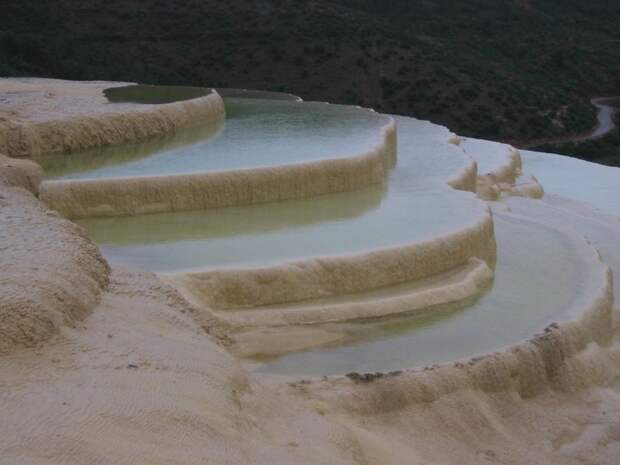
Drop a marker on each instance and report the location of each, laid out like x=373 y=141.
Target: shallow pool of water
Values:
x=415 y=205
x=538 y=276
x=273 y=233
x=539 y=273
x=255 y=133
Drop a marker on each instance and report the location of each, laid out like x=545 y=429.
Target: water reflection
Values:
x=247 y=220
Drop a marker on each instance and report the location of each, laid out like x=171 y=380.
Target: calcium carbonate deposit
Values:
x=190 y=279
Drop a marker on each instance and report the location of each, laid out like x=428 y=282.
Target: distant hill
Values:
x=502 y=69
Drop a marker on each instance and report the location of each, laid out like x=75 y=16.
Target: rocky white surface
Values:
x=108 y=367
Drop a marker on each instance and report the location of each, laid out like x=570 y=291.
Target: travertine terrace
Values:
x=459 y=296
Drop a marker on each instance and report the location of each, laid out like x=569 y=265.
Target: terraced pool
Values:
x=256 y=133
x=543 y=274
x=540 y=276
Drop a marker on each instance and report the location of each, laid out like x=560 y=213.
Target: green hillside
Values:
x=510 y=70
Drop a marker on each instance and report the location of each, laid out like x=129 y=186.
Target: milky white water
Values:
x=539 y=278
x=536 y=280
x=541 y=274
x=255 y=133
x=416 y=205
x=570 y=181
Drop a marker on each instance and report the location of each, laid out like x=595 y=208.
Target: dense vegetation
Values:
x=503 y=69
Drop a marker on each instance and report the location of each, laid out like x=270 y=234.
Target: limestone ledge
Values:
x=337 y=275
x=51 y=274
x=199 y=191
x=566 y=356
x=79 y=132
x=447 y=289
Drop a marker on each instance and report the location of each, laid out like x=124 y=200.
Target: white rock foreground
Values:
x=114 y=366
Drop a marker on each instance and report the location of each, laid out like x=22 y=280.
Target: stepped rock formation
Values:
x=43 y=116
x=52 y=274
x=109 y=197
x=114 y=365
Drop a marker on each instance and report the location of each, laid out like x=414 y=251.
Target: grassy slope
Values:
x=503 y=69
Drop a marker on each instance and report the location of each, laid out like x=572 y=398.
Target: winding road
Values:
x=604 y=117
x=605 y=124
